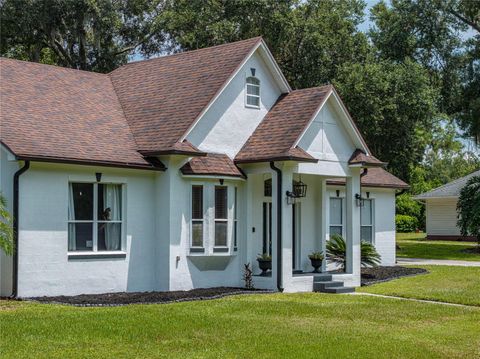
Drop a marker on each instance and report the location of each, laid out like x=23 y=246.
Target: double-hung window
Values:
x=253 y=92
x=366 y=220
x=336 y=216
x=235 y=220
x=95 y=217
x=221 y=216
x=197 y=216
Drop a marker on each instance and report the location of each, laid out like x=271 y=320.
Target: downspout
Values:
x=279 y=226
x=16 y=179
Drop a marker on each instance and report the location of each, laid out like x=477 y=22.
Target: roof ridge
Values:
x=54 y=66
x=258 y=38
x=448 y=184
x=321 y=87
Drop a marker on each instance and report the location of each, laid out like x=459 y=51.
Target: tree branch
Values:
x=469 y=22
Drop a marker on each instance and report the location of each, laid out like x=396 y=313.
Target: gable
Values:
x=326 y=137
x=228 y=122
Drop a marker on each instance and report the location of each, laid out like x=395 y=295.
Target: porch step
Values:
x=338 y=290
x=318 y=286
x=322 y=278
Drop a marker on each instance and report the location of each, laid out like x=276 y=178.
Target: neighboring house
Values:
x=441 y=209
x=171 y=173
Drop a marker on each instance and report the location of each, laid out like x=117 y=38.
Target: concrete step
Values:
x=337 y=290
x=327 y=284
x=322 y=278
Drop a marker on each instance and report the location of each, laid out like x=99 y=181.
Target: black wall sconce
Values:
x=252 y=70
x=221 y=181
x=299 y=190
x=359 y=200
x=98 y=175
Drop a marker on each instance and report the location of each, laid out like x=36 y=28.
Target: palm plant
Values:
x=337 y=249
x=6 y=229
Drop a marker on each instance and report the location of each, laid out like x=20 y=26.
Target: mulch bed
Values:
x=124 y=298
x=384 y=274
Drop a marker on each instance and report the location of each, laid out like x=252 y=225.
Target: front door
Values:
x=296 y=256
x=267 y=228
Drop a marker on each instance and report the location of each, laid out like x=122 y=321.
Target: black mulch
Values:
x=384 y=274
x=123 y=298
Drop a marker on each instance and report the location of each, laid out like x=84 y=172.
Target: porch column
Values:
x=353 y=225
x=324 y=202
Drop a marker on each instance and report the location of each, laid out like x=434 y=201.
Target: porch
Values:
x=303 y=224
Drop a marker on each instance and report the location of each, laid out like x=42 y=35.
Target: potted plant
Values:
x=316 y=258
x=264 y=262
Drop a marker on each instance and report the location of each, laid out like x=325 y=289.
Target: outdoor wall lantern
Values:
x=359 y=200
x=299 y=190
x=98 y=176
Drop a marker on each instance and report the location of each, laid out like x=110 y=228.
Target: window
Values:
x=95 y=217
x=336 y=216
x=366 y=220
x=253 y=92
x=235 y=221
x=221 y=216
x=197 y=216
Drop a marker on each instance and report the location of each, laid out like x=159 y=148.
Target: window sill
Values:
x=220 y=249
x=252 y=106
x=96 y=255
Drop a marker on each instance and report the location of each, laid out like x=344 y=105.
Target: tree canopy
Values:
x=409 y=81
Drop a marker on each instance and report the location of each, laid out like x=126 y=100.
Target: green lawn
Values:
x=452 y=284
x=413 y=245
x=254 y=326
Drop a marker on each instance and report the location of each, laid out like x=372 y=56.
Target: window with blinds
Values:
x=221 y=216
x=197 y=216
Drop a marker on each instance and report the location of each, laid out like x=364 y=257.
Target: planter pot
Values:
x=316 y=264
x=264 y=265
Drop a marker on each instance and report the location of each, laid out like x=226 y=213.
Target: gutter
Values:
x=16 y=179
x=279 y=226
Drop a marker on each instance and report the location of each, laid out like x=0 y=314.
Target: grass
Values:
x=413 y=245
x=251 y=326
x=453 y=284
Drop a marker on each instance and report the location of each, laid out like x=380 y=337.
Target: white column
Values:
x=353 y=226
x=323 y=231
x=287 y=225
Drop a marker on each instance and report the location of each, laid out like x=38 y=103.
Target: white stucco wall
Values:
x=44 y=267
x=8 y=167
x=228 y=123
x=441 y=217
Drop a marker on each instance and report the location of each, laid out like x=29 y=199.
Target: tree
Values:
x=468 y=208
x=394 y=107
x=95 y=35
x=6 y=229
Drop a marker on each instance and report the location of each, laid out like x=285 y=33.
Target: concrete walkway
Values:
x=415 y=300
x=442 y=262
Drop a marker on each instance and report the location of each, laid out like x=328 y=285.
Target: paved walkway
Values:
x=415 y=300
x=443 y=262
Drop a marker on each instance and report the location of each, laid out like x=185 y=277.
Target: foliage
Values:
x=316 y=256
x=6 y=228
x=468 y=207
x=406 y=205
x=264 y=257
x=92 y=35
x=248 y=276
x=405 y=223
x=336 y=252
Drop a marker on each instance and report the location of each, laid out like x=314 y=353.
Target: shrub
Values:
x=264 y=257
x=248 y=276
x=406 y=205
x=316 y=256
x=405 y=224
x=337 y=250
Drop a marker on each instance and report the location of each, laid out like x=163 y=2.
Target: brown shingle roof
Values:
x=213 y=165
x=162 y=97
x=360 y=158
x=376 y=177
x=276 y=135
x=58 y=114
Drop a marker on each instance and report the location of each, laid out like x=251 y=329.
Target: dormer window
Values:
x=253 y=92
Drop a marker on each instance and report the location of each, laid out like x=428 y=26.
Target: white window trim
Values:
x=252 y=95
x=197 y=219
x=373 y=219
x=343 y=216
x=95 y=221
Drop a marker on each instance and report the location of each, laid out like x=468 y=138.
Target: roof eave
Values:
x=277 y=158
